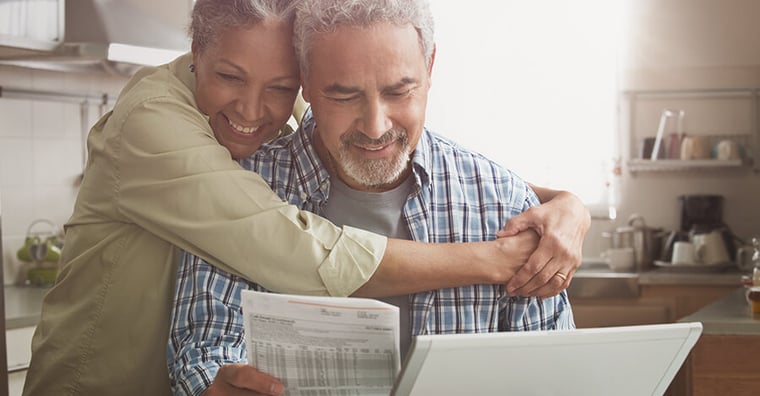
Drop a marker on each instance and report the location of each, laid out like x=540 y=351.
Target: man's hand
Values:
x=241 y=379
x=561 y=223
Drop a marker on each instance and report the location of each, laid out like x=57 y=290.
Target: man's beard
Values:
x=374 y=173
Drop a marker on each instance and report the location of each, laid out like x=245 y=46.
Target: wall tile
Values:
x=14 y=270
x=16 y=116
x=49 y=81
x=56 y=120
x=41 y=153
x=55 y=203
x=15 y=162
x=17 y=211
x=56 y=161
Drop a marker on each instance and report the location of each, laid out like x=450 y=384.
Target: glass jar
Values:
x=753 y=295
x=756 y=262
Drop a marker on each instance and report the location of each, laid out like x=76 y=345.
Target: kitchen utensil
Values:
x=645 y=241
x=694 y=148
x=670 y=239
x=744 y=258
x=693 y=268
x=727 y=150
x=647 y=145
x=41 y=244
x=674 y=146
x=710 y=248
x=620 y=260
x=701 y=210
x=660 y=130
x=684 y=253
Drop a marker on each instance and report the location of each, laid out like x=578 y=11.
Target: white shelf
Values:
x=645 y=165
x=747 y=137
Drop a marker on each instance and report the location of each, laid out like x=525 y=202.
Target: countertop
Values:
x=594 y=268
x=23 y=305
x=730 y=315
x=666 y=276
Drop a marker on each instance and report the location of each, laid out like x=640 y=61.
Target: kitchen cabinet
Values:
x=724 y=365
x=663 y=297
x=654 y=304
x=30 y=26
x=604 y=312
x=714 y=115
x=22 y=313
x=19 y=342
x=725 y=359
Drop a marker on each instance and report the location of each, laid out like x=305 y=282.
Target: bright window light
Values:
x=532 y=85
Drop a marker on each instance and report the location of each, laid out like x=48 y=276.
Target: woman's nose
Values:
x=250 y=107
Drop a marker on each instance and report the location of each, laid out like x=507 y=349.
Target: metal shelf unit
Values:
x=750 y=141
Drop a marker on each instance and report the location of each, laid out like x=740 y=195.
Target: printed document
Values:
x=323 y=345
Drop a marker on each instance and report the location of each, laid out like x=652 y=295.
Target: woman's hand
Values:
x=242 y=379
x=561 y=223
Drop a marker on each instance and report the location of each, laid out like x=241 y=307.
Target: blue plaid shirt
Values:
x=458 y=196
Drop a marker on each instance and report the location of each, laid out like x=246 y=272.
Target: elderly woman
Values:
x=163 y=175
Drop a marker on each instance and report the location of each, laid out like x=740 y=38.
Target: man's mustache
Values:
x=361 y=139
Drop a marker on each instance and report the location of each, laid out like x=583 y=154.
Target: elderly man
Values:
x=365 y=159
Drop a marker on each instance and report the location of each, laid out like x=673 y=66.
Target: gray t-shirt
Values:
x=380 y=213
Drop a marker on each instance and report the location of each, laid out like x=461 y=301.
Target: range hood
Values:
x=117 y=36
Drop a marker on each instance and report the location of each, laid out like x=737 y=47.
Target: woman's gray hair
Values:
x=211 y=17
x=322 y=16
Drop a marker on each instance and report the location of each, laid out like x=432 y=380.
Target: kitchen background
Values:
x=690 y=45
x=676 y=46
x=671 y=45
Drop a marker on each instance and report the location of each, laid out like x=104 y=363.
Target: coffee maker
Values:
x=702 y=214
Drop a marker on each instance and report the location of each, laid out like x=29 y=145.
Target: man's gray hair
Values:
x=211 y=17
x=322 y=16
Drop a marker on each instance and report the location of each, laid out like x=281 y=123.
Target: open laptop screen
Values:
x=629 y=360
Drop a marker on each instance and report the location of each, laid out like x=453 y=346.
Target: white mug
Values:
x=684 y=253
x=710 y=248
x=727 y=150
x=620 y=260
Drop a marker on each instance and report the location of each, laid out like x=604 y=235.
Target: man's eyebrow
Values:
x=337 y=88
x=401 y=84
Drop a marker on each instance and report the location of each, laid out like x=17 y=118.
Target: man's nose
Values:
x=375 y=120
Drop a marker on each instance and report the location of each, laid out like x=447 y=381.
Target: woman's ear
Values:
x=196 y=53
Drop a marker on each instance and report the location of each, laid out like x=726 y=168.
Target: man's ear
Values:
x=305 y=91
x=432 y=60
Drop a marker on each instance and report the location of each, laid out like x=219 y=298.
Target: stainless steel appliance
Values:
x=646 y=241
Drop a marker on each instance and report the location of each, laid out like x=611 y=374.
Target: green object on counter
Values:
x=42 y=276
x=41 y=246
x=35 y=250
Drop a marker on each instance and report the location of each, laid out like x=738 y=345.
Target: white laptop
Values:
x=629 y=360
